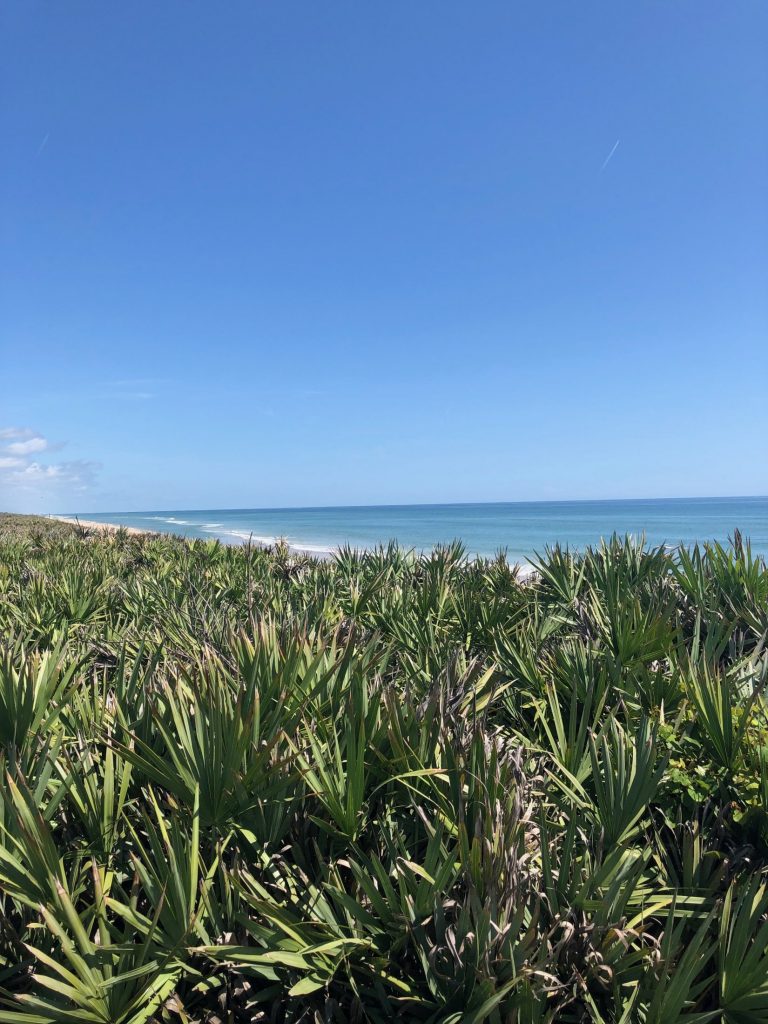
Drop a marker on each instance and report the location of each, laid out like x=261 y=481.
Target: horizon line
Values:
x=420 y=504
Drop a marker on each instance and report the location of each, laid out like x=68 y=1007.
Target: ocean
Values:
x=522 y=529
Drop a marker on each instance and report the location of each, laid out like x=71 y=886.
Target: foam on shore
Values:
x=241 y=537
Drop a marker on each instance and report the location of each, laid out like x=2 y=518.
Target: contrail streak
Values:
x=608 y=158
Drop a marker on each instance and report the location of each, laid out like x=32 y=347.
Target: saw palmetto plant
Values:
x=238 y=785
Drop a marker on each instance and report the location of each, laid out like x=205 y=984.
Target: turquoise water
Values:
x=522 y=528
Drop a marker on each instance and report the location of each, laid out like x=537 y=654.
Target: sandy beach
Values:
x=91 y=524
x=525 y=569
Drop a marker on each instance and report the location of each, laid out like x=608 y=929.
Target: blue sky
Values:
x=266 y=254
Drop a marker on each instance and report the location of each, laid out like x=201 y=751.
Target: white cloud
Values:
x=78 y=472
x=34 y=471
x=32 y=484
x=34 y=444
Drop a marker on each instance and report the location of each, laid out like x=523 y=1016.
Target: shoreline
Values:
x=92 y=524
x=525 y=569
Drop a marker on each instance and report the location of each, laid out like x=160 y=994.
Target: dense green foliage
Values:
x=241 y=785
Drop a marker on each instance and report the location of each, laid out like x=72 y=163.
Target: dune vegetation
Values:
x=243 y=785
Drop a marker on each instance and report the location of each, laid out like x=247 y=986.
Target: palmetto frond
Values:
x=242 y=785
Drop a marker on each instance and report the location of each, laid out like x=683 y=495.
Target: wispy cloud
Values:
x=42 y=145
x=610 y=155
x=29 y=447
x=24 y=479
x=132 y=389
x=8 y=433
x=78 y=473
x=134 y=382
